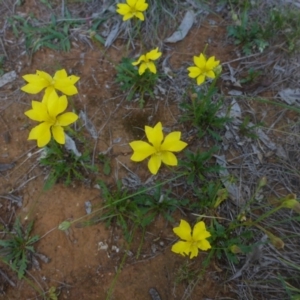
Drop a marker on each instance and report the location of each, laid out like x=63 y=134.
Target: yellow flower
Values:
x=146 y=60
x=203 y=68
x=192 y=241
x=160 y=151
x=61 y=82
x=49 y=113
x=133 y=8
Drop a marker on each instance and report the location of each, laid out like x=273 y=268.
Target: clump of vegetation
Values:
x=18 y=248
x=135 y=84
x=257 y=34
x=201 y=111
x=65 y=165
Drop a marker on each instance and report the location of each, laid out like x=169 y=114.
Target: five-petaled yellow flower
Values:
x=49 y=112
x=146 y=61
x=160 y=150
x=203 y=68
x=133 y=8
x=191 y=241
x=60 y=81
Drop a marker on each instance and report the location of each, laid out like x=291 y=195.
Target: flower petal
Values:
x=194 y=251
x=35 y=84
x=210 y=74
x=48 y=91
x=200 y=61
x=141 y=150
x=65 y=87
x=141 y=58
x=172 y=142
x=183 y=230
x=131 y=3
x=66 y=119
x=38 y=112
x=128 y=16
x=153 y=54
x=203 y=245
x=60 y=74
x=154 y=163
x=142 y=68
x=200 y=232
x=155 y=135
x=139 y=15
x=44 y=75
x=58 y=134
x=151 y=66
x=200 y=79
x=169 y=158
x=41 y=133
x=123 y=9
x=194 y=72
x=65 y=83
x=141 y=5
x=56 y=105
x=181 y=247
x=212 y=63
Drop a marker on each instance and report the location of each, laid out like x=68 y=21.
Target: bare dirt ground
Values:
x=94 y=262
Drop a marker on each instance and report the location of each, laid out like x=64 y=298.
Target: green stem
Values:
x=112 y=286
x=251 y=223
x=141 y=243
x=265 y=215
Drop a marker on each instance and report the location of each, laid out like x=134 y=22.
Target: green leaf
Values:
x=99 y=38
x=65 y=225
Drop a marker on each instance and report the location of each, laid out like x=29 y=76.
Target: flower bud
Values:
x=242 y=217
x=218 y=70
x=275 y=241
x=262 y=182
x=293 y=204
x=235 y=249
x=234 y=16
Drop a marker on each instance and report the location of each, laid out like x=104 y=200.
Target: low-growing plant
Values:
x=18 y=247
x=285 y=24
x=135 y=84
x=140 y=209
x=209 y=195
x=104 y=159
x=255 y=34
x=201 y=110
x=186 y=273
x=160 y=202
x=52 y=294
x=228 y=243
x=52 y=35
x=251 y=76
x=65 y=165
x=247 y=129
x=118 y=212
x=196 y=165
x=248 y=33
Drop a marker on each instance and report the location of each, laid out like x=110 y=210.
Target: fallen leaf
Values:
x=290 y=96
x=183 y=28
x=7 y=77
